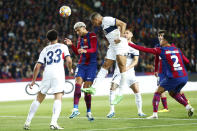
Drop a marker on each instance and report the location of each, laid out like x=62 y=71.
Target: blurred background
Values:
x=24 y=24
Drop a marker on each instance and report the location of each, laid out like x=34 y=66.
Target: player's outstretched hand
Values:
x=117 y=41
x=80 y=51
x=71 y=71
x=68 y=41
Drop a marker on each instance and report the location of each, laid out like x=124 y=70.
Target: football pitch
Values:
x=13 y=115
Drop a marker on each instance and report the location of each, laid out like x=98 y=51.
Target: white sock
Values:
x=122 y=82
x=56 y=111
x=111 y=98
x=99 y=78
x=187 y=107
x=155 y=114
x=138 y=101
x=33 y=108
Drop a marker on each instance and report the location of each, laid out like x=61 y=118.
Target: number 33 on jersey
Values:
x=52 y=56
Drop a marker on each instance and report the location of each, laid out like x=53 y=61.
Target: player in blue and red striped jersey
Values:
x=85 y=72
x=174 y=71
x=160 y=76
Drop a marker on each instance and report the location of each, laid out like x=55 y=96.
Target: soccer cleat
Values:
x=26 y=127
x=89 y=90
x=56 y=127
x=190 y=112
x=117 y=100
x=141 y=114
x=152 y=117
x=89 y=116
x=74 y=114
x=111 y=114
x=163 y=110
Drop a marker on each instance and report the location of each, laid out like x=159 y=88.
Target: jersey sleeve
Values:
x=66 y=51
x=75 y=49
x=147 y=50
x=93 y=42
x=42 y=57
x=109 y=21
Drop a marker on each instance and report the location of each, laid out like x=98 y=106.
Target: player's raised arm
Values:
x=122 y=26
x=69 y=43
x=147 y=50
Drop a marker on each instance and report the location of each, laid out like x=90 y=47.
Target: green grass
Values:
x=175 y=120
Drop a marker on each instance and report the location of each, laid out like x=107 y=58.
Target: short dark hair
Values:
x=166 y=35
x=94 y=15
x=52 y=35
x=162 y=31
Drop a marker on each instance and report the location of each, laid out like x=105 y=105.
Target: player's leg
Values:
x=138 y=98
x=156 y=100
x=33 y=108
x=183 y=96
x=88 y=99
x=179 y=99
x=121 y=61
x=103 y=72
x=164 y=103
x=109 y=60
x=77 y=96
x=113 y=88
x=56 y=111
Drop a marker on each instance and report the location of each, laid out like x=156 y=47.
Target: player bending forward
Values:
x=117 y=49
x=87 y=66
x=52 y=57
x=174 y=71
x=132 y=60
x=160 y=76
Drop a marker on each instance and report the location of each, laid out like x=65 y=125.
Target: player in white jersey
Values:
x=52 y=57
x=117 y=49
x=132 y=60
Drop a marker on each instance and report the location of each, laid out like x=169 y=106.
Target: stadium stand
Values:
x=24 y=24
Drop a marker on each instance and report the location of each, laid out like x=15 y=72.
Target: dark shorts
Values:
x=86 y=72
x=174 y=84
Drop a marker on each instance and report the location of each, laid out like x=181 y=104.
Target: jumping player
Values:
x=87 y=65
x=52 y=57
x=117 y=49
x=132 y=60
x=174 y=70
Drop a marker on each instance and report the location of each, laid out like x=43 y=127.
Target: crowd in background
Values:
x=24 y=24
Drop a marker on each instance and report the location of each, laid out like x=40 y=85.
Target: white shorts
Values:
x=117 y=49
x=131 y=78
x=54 y=85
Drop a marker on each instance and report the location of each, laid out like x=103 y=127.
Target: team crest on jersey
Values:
x=85 y=40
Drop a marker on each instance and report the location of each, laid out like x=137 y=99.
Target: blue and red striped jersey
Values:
x=171 y=58
x=89 y=43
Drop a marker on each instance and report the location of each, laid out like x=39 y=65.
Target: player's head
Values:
x=128 y=34
x=162 y=36
x=96 y=19
x=52 y=35
x=80 y=28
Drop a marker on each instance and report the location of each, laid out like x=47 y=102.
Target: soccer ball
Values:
x=65 y=11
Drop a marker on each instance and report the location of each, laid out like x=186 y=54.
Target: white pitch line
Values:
x=102 y=118
x=135 y=127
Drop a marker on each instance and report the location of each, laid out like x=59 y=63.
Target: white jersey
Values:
x=52 y=56
x=110 y=29
x=131 y=53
